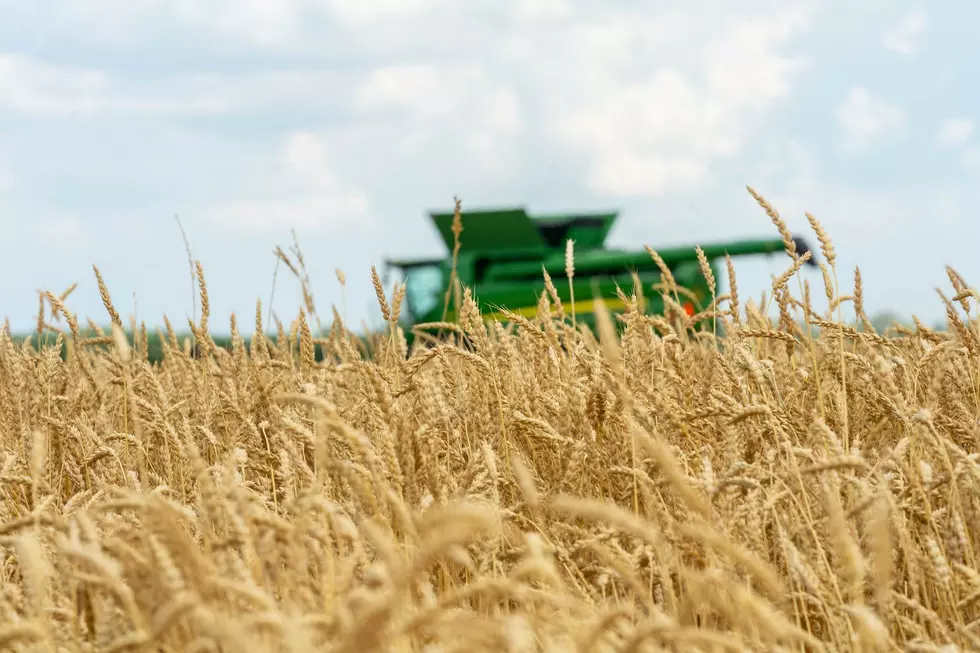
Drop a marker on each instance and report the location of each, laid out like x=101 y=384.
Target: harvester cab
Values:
x=503 y=252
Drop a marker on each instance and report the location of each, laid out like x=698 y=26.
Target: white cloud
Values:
x=646 y=129
x=439 y=93
x=302 y=190
x=904 y=37
x=284 y=24
x=270 y=25
x=971 y=159
x=40 y=90
x=532 y=10
x=373 y=11
x=955 y=132
x=7 y=180
x=452 y=108
x=620 y=89
x=267 y=23
x=866 y=119
x=34 y=88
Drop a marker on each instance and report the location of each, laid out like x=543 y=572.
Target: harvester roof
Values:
x=508 y=229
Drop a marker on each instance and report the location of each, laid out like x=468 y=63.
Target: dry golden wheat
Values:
x=548 y=489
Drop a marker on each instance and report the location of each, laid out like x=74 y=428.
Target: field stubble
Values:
x=539 y=489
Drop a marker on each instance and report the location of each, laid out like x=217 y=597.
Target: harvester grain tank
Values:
x=502 y=253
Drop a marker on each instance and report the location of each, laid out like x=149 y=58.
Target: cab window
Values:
x=423 y=286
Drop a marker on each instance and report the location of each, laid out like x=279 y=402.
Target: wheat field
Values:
x=799 y=484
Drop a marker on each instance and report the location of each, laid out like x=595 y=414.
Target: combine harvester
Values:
x=501 y=256
x=502 y=253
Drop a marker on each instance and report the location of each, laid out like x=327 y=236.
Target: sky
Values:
x=348 y=121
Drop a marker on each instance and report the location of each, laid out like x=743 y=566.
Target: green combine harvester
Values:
x=502 y=253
